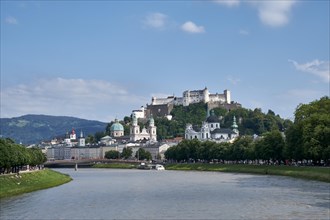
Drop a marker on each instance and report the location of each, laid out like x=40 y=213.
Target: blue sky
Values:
x=102 y=59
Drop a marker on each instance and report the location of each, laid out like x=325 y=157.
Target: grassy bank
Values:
x=115 y=165
x=11 y=185
x=312 y=173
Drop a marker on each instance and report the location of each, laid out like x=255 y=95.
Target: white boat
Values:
x=159 y=167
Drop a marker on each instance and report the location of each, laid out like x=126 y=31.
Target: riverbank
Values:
x=311 y=173
x=115 y=165
x=14 y=184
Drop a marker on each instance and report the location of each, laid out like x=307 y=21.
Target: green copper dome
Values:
x=116 y=126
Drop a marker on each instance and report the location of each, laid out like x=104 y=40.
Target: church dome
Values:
x=116 y=126
x=212 y=118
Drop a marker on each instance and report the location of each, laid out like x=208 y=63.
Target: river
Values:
x=150 y=194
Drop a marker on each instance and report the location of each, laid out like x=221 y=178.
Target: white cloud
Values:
x=274 y=13
x=156 y=20
x=316 y=67
x=229 y=3
x=90 y=99
x=192 y=28
x=11 y=20
x=244 y=32
x=233 y=80
x=271 y=12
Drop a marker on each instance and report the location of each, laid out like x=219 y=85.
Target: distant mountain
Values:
x=32 y=129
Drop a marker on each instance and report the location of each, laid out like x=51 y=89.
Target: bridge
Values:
x=84 y=163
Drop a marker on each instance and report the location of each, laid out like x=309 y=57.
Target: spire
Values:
x=151 y=121
x=135 y=123
x=234 y=126
x=81 y=134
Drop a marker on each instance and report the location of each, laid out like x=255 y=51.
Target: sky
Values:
x=100 y=60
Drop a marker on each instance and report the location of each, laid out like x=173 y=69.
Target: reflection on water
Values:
x=149 y=194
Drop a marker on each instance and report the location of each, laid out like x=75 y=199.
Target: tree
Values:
x=241 y=148
x=142 y=154
x=14 y=156
x=309 y=136
x=127 y=152
x=90 y=139
x=112 y=154
x=98 y=136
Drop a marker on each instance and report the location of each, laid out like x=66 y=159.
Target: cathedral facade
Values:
x=149 y=133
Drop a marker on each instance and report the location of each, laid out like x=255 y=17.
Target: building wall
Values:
x=117 y=133
x=159 y=110
x=141 y=113
x=161 y=101
x=190 y=97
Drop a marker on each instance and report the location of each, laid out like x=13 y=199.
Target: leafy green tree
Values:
x=127 y=152
x=112 y=154
x=142 y=154
x=90 y=139
x=98 y=136
x=241 y=149
x=293 y=146
x=311 y=131
x=14 y=156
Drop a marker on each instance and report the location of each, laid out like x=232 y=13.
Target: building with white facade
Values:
x=194 y=96
x=140 y=113
x=211 y=131
x=149 y=133
x=162 y=107
x=81 y=140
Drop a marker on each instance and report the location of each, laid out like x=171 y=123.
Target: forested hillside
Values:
x=249 y=121
x=31 y=129
x=306 y=140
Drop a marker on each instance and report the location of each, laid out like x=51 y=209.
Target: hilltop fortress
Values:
x=163 y=106
x=194 y=96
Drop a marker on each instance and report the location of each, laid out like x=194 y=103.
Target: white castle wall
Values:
x=195 y=96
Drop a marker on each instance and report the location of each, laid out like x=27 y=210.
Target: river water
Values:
x=150 y=194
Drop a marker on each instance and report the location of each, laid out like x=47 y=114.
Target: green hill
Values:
x=249 y=121
x=31 y=129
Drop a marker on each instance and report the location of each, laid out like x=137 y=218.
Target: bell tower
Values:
x=134 y=130
x=152 y=129
x=234 y=126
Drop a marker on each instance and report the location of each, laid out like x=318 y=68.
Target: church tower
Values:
x=152 y=129
x=135 y=129
x=234 y=126
x=82 y=140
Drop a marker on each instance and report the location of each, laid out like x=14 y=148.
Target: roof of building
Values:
x=222 y=131
x=117 y=126
x=213 y=119
x=106 y=138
